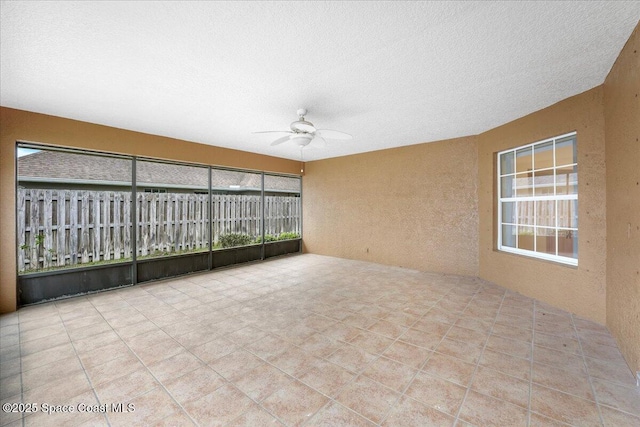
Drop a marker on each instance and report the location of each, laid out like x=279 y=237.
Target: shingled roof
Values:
x=60 y=166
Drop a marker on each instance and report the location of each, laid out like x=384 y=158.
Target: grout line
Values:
x=143 y=364
x=95 y=394
x=504 y=294
x=313 y=296
x=533 y=340
x=586 y=369
x=22 y=417
x=402 y=393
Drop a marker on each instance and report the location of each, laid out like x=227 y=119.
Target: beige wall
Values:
x=622 y=132
x=580 y=290
x=19 y=125
x=413 y=207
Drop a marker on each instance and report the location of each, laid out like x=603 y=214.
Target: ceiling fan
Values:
x=303 y=133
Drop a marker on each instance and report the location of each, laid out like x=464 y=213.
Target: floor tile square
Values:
x=368 y=398
x=409 y=412
x=438 y=393
x=295 y=403
x=219 y=407
x=564 y=407
x=482 y=410
x=335 y=414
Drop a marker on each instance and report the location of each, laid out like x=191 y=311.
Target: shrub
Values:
x=288 y=235
x=267 y=238
x=233 y=240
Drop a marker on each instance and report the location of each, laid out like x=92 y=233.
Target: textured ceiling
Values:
x=389 y=73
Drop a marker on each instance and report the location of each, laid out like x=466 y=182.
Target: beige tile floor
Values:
x=313 y=340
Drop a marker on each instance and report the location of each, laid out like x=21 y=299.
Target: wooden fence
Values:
x=69 y=227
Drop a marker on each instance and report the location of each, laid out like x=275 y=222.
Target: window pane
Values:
x=568 y=243
x=546 y=213
x=526 y=212
x=543 y=183
x=509 y=212
x=282 y=207
x=543 y=155
x=524 y=160
x=73 y=209
x=568 y=213
x=236 y=208
x=567 y=180
x=506 y=163
x=506 y=186
x=524 y=185
x=525 y=238
x=509 y=236
x=172 y=208
x=546 y=240
x=566 y=151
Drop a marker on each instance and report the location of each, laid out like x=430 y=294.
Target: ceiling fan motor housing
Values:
x=302 y=126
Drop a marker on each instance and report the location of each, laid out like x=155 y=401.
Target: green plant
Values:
x=25 y=247
x=39 y=239
x=288 y=235
x=233 y=240
x=267 y=238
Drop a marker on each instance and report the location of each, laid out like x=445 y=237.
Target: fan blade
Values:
x=332 y=134
x=318 y=140
x=274 y=131
x=280 y=140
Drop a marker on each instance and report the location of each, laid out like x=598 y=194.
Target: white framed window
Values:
x=538 y=199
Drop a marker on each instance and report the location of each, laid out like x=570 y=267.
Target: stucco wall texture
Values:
x=413 y=207
x=622 y=132
x=25 y=126
x=579 y=290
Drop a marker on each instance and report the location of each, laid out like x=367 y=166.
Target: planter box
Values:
x=239 y=255
x=282 y=247
x=42 y=286
x=170 y=266
x=39 y=287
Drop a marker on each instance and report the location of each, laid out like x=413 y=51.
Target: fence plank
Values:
x=47 y=231
x=61 y=246
x=106 y=225
x=22 y=227
x=34 y=226
x=126 y=225
x=84 y=227
x=96 y=225
x=162 y=231
x=117 y=225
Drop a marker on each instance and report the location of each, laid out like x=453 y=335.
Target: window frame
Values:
x=545 y=197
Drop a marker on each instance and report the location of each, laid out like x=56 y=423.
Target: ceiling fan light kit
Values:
x=301 y=140
x=303 y=133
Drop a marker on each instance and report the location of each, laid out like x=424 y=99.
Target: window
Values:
x=282 y=207
x=175 y=221
x=236 y=208
x=73 y=209
x=82 y=209
x=538 y=200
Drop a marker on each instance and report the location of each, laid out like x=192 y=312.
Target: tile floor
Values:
x=313 y=340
